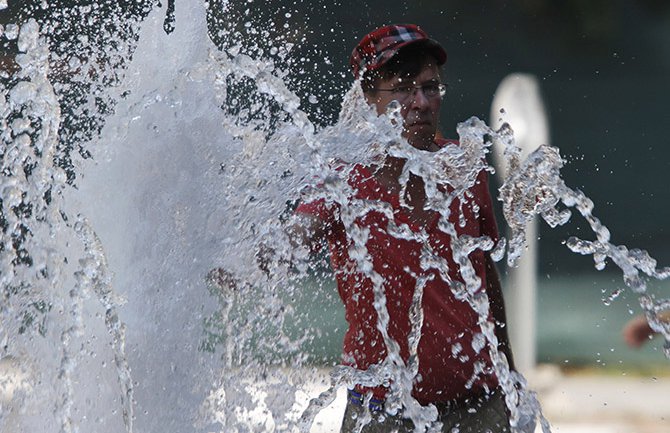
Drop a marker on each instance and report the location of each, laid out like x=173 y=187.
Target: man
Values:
x=401 y=63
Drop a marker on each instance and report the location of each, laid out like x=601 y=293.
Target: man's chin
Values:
x=420 y=136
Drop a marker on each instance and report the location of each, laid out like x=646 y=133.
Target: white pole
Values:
x=518 y=102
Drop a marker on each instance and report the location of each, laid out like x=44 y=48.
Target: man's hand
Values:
x=264 y=256
x=222 y=281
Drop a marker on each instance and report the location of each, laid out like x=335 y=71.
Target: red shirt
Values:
x=446 y=356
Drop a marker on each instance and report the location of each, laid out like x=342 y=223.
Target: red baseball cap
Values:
x=380 y=45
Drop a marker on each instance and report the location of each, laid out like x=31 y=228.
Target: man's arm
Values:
x=497 y=303
x=307 y=230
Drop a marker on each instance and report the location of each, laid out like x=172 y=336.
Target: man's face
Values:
x=419 y=111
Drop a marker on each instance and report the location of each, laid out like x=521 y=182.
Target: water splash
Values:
x=218 y=191
x=43 y=315
x=94 y=274
x=31 y=189
x=536 y=188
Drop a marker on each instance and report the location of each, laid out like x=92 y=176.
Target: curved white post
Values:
x=519 y=96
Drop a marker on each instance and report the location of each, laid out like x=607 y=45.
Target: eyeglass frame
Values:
x=441 y=90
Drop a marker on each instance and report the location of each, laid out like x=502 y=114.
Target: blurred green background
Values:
x=576 y=328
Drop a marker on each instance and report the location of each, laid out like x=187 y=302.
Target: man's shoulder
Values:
x=443 y=142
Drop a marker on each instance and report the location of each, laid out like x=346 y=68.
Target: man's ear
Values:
x=371 y=99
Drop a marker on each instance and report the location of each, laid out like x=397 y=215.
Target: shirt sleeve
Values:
x=327 y=212
x=316 y=208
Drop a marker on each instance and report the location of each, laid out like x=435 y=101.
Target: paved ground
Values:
x=579 y=403
x=587 y=402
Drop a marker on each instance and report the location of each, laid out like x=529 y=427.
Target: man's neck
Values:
x=425 y=145
x=389 y=173
x=414 y=192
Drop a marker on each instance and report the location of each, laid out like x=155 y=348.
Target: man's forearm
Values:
x=497 y=303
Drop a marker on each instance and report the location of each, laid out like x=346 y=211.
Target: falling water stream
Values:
x=111 y=319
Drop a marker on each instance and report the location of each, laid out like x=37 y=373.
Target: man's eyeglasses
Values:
x=403 y=93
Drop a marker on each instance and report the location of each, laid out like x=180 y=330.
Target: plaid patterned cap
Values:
x=380 y=45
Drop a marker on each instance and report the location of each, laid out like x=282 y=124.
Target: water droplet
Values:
x=11 y=31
